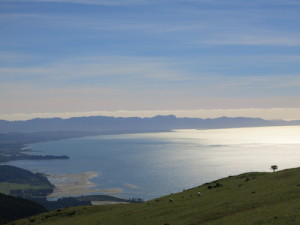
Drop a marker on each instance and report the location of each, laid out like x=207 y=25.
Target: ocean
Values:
x=149 y=165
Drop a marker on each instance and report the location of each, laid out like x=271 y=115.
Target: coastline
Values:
x=73 y=190
x=14 y=147
x=70 y=185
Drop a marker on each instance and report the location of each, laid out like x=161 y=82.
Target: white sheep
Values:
x=171 y=200
x=199 y=194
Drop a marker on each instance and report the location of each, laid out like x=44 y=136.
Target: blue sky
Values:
x=69 y=56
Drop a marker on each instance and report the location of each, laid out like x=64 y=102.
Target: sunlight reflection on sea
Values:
x=149 y=165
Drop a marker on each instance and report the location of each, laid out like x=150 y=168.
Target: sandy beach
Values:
x=107 y=202
x=76 y=185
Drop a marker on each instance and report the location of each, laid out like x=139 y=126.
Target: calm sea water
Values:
x=150 y=165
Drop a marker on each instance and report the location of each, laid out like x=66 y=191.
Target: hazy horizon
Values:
x=267 y=114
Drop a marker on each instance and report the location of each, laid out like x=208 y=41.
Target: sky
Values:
x=199 y=58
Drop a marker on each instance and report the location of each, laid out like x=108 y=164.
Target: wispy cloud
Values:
x=190 y=27
x=211 y=71
x=205 y=26
x=272 y=84
x=105 y=22
x=95 y=69
x=90 y=2
x=11 y=58
x=245 y=2
x=289 y=82
x=116 y=2
x=252 y=39
x=143 y=2
x=129 y=54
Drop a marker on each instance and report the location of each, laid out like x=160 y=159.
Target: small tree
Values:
x=274 y=167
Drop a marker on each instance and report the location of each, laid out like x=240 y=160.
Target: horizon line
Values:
x=287 y=114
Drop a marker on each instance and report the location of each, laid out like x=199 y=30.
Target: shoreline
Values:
x=73 y=185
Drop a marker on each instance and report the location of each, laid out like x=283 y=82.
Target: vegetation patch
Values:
x=23 y=183
x=10 y=188
x=12 y=208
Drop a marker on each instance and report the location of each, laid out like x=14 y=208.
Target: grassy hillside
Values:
x=246 y=199
x=12 y=208
x=23 y=183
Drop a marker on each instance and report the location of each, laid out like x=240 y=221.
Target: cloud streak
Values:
x=145 y=54
x=150 y=2
x=260 y=40
x=94 y=69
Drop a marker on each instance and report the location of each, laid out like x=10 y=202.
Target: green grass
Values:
x=246 y=199
x=6 y=187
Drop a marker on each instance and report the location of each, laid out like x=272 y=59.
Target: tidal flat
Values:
x=76 y=184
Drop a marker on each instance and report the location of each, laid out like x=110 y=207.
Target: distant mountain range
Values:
x=131 y=124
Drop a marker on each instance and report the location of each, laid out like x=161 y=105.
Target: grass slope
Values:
x=246 y=199
x=19 y=182
x=12 y=208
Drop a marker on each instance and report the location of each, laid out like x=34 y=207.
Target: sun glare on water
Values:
x=255 y=135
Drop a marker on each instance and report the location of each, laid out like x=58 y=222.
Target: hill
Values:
x=131 y=124
x=12 y=208
x=23 y=183
x=246 y=199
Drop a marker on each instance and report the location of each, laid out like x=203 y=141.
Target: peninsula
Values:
x=13 y=146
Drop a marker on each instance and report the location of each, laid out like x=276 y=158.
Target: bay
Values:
x=149 y=165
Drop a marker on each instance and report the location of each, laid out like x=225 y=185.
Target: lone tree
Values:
x=274 y=167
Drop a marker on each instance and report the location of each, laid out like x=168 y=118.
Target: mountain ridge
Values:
x=109 y=124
